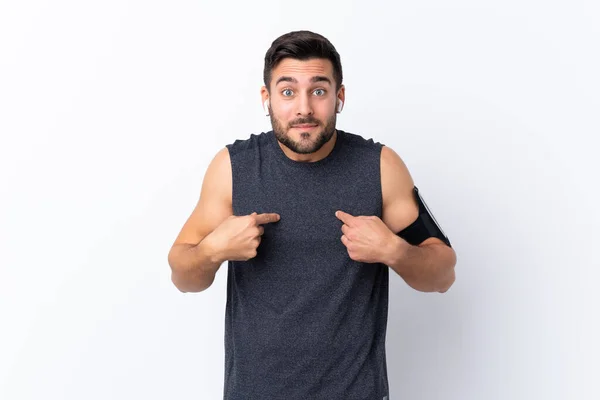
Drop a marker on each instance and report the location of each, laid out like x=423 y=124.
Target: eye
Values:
x=287 y=91
x=321 y=91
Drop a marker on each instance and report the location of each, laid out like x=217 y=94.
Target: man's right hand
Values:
x=238 y=237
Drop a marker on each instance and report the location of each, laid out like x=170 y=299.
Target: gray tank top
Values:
x=303 y=320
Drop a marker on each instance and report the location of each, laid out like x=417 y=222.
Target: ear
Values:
x=341 y=97
x=264 y=93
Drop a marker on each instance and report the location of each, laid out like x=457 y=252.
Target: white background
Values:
x=110 y=112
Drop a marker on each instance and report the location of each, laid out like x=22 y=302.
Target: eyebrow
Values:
x=314 y=79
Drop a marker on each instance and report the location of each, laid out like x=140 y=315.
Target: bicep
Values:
x=214 y=204
x=400 y=207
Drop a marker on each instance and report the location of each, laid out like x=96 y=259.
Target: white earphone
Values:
x=340 y=106
x=266 y=106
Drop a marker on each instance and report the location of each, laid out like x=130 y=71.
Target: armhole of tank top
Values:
x=379 y=186
x=233 y=177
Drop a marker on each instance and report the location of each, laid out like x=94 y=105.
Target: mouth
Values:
x=304 y=126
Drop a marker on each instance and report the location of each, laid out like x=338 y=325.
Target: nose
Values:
x=304 y=106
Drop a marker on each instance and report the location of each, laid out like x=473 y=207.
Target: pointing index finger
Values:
x=344 y=217
x=266 y=218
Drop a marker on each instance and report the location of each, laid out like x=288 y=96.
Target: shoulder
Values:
x=218 y=175
x=357 y=140
x=391 y=163
x=393 y=166
x=243 y=145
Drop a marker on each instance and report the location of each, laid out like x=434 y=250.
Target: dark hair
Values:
x=302 y=45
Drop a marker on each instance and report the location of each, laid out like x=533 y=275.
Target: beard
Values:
x=304 y=146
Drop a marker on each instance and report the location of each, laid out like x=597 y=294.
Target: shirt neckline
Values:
x=304 y=164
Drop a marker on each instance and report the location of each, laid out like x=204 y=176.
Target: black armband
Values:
x=425 y=226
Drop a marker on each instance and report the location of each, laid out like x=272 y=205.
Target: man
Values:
x=309 y=218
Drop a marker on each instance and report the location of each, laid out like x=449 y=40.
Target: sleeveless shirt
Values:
x=302 y=319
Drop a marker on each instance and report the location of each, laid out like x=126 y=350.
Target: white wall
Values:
x=111 y=111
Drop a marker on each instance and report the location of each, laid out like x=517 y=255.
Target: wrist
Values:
x=211 y=252
x=396 y=251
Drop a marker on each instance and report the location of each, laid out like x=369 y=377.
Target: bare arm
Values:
x=193 y=261
x=428 y=267
x=193 y=267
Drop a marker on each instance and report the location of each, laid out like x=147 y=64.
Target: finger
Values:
x=345 y=240
x=345 y=229
x=266 y=218
x=344 y=217
x=261 y=230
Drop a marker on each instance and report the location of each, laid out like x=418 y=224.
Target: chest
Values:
x=307 y=207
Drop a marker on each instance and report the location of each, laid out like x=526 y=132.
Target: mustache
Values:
x=304 y=121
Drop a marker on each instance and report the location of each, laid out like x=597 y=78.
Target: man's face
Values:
x=303 y=103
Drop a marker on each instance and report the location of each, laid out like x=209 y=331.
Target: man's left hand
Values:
x=368 y=239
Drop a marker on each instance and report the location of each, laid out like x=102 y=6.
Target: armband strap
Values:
x=424 y=227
